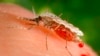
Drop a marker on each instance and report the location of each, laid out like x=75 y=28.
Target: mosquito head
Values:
x=39 y=18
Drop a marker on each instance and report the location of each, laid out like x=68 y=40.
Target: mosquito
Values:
x=62 y=28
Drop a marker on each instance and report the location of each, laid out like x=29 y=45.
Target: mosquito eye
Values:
x=39 y=18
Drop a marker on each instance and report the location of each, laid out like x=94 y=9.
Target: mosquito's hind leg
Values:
x=68 y=49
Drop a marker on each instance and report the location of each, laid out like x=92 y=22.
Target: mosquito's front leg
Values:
x=31 y=26
x=32 y=22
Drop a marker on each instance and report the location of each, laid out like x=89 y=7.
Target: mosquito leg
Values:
x=67 y=49
x=46 y=42
x=31 y=26
x=47 y=39
x=36 y=23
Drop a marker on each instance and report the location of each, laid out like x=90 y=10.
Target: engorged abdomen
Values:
x=65 y=34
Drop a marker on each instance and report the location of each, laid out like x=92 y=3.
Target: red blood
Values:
x=83 y=55
x=61 y=33
x=80 y=44
x=64 y=32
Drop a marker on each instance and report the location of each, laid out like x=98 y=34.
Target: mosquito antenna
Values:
x=33 y=10
x=60 y=14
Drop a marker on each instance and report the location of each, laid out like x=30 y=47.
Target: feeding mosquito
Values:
x=62 y=28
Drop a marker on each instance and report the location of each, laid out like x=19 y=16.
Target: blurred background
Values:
x=84 y=14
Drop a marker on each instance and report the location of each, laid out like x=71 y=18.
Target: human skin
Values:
x=16 y=39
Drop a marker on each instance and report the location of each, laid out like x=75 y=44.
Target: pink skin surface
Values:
x=17 y=40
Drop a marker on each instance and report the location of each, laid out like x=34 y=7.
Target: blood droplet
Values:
x=80 y=44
